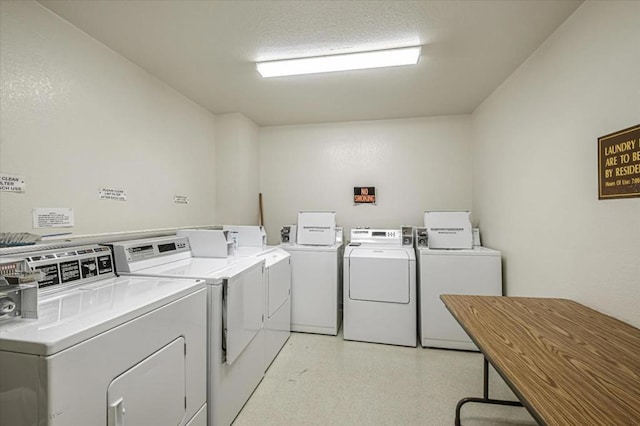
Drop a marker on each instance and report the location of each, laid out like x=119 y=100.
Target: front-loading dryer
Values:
x=103 y=349
x=380 y=287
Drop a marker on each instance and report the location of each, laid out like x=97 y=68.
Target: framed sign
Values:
x=364 y=195
x=619 y=164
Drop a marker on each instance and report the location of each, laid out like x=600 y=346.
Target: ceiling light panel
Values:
x=344 y=62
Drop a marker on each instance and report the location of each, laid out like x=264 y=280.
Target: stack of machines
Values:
x=316 y=248
x=450 y=260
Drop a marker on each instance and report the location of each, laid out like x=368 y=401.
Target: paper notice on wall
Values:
x=181 y=199
x=112 y=194
x=12 y=183
x=53 y=218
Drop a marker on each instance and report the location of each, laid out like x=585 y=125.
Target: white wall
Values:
x=535 y=189
x=75 y=117
x=415 y=165
x=237 y=165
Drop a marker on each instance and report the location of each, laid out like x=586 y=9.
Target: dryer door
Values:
x=244 y=309
x=379 y=275
x=152 y=392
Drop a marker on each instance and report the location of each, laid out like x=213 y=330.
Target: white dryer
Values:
x=463 y=271
x=234 y=317
x=104 y=350
x=250 y=241
x=380 y=287
x=316 y=272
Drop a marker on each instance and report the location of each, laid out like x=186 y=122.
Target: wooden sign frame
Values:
x=619 y=164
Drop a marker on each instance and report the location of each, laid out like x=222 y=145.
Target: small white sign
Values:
x=53 y=218
x=112 y=194
x=181 y=199
x=12 y=183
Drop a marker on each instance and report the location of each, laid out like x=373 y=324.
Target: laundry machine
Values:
x=475 y=271
x=103 y=349
x=380 y=287
x=250 y=241
x=235 y=347
x=316 y=272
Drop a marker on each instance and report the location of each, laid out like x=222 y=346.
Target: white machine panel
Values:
x=277 y=295
x=379 y=275
x=448 y=230
x=477 y=271
x=244 y=308
x=278 y=280
x=246 y=235
x=316 y=228
x=129 y=392
x=208 y=242
x=316 y=292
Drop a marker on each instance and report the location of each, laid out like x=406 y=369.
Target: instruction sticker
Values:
x=112 y=194
x=181 y=199
x=12 y=183
x=53 y=218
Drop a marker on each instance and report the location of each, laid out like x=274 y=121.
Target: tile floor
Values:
x=324 y=380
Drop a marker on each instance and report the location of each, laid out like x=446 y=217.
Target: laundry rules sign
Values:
x=364 y=194
x=619 y=164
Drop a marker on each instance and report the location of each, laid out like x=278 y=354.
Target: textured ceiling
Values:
x=207 y=49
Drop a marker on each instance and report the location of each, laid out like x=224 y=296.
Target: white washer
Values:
x=316 y=288
x=102 y=345
x=250 y=241
x=466 y=271
x=234 y=317
x=316 y=272
x=380 y=287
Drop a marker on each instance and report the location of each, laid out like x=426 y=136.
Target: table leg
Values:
x=485 y=399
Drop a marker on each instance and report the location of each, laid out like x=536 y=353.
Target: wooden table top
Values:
x=567 y=363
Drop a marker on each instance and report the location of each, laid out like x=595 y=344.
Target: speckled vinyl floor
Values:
x=324 y=380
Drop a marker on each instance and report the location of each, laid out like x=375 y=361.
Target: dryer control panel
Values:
x=377 y=236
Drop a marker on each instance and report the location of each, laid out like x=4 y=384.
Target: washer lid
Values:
x=274 y=256
x=72 y=316
x=302 y=247
x=204 y=268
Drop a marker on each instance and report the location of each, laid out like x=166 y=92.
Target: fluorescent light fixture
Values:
x=344 y=62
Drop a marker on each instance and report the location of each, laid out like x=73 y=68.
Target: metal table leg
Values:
x=485 y=399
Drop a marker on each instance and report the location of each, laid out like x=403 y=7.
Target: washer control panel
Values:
x=134 y=252
x=72 y=265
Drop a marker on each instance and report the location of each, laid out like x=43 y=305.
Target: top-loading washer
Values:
x=380 y=287
x=83 y=361
x=316 y=272
x=234 y=323
x=463 y=271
